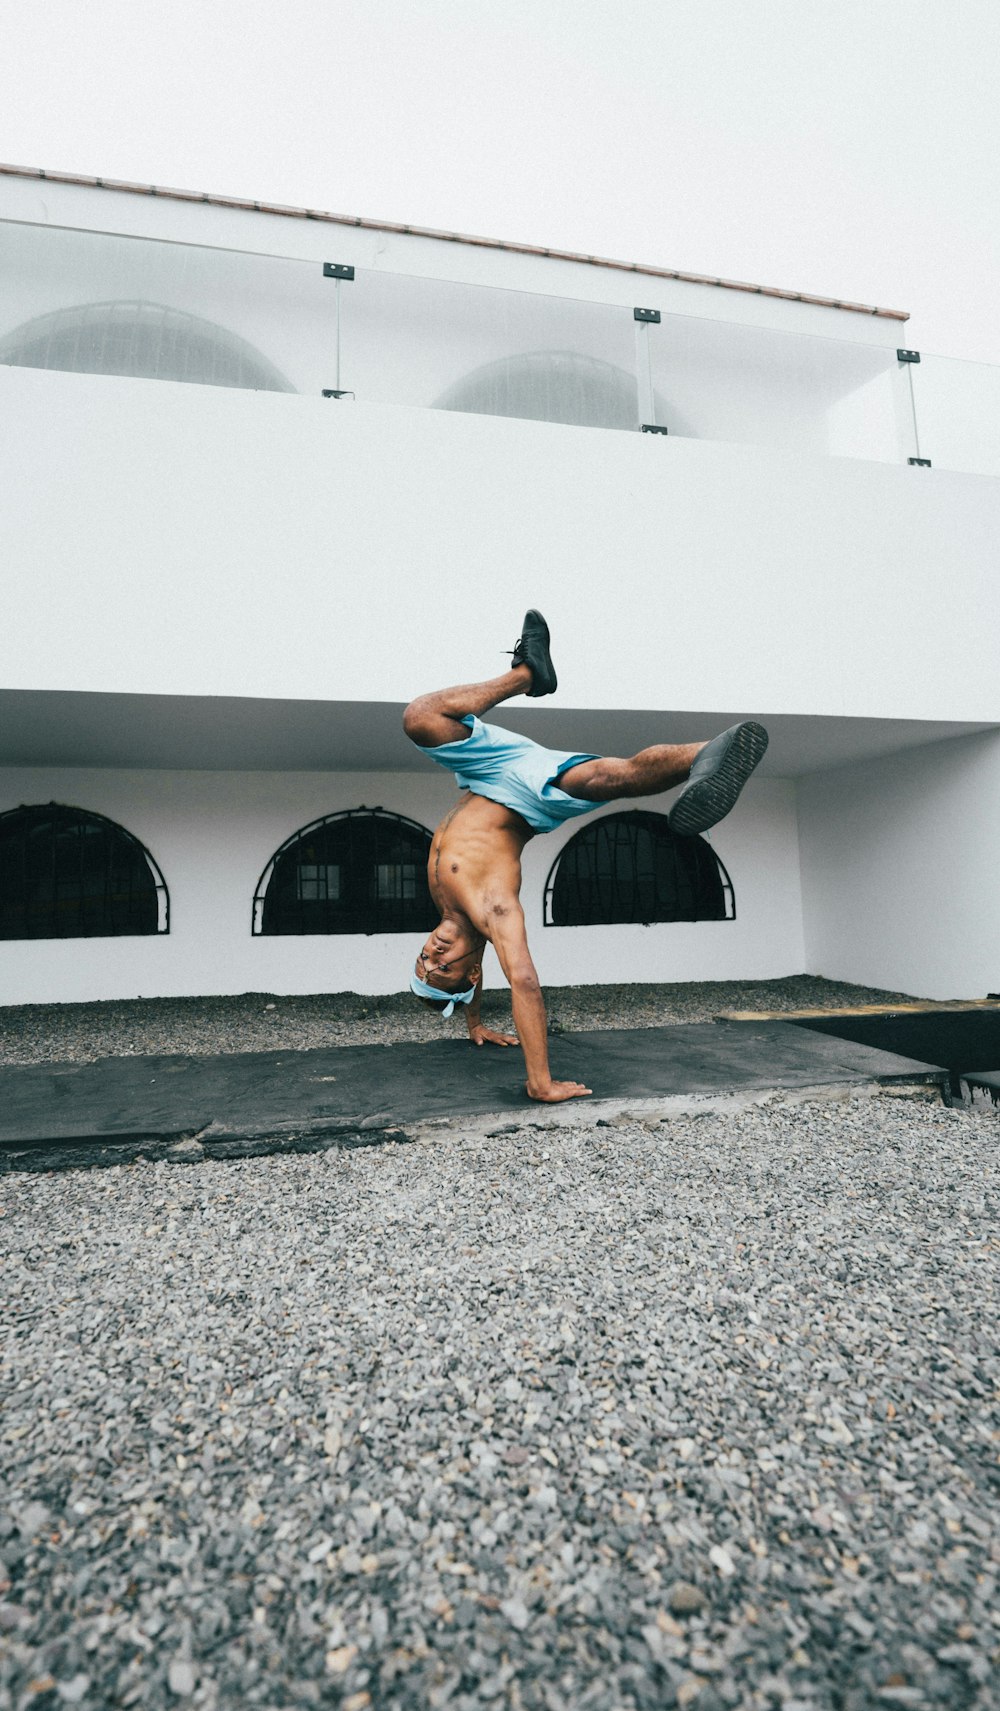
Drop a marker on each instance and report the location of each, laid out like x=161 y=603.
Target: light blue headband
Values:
x=422 y=990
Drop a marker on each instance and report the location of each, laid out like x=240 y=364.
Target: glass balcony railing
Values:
x=956 y=411
x=100 y=304
x=473 y=348
x=716 y=380
x=104 y=304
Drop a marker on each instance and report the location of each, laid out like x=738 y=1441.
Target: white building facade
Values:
x=265 y=475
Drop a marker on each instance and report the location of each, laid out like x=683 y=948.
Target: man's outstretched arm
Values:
x=510 y=941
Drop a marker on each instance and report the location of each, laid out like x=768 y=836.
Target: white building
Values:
x=266 y=474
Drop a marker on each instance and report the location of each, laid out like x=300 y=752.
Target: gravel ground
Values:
x=259 y=1021
x=700 y=1414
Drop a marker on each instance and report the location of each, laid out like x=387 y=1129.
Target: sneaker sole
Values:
x=705 y=801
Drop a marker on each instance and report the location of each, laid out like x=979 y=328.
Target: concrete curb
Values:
x=220 y=1141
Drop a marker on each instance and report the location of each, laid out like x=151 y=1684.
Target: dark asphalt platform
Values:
x=61 y=1114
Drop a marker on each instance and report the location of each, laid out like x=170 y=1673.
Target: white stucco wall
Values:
x=193 y=540
x=213 y=833
x=899 y=870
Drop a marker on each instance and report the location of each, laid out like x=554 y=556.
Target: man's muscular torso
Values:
x=474 y=867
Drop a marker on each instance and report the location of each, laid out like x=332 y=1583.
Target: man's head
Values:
x=450 y=962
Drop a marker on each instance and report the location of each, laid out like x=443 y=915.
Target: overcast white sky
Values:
x=845 y=147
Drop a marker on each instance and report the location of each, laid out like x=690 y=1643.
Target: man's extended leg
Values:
x=714 y=772
x=644 y=774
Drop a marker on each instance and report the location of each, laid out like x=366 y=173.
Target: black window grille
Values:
x=363 y=871
x=630 y=867
x=66 y=873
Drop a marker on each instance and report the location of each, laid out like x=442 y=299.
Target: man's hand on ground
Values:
x=556 y=1091
x=481 y=1036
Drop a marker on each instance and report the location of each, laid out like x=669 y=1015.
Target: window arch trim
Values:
x=659 y=828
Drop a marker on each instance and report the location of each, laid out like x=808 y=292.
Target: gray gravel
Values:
x=699 y=1415
x=260 y=1021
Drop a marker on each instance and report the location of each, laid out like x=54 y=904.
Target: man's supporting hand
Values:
x=481 y=1036
x=556 y=1091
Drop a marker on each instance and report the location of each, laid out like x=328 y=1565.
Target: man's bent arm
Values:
x=473 y=1010
x=478 y=1034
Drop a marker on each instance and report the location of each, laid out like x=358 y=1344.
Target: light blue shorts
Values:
x=513 y=771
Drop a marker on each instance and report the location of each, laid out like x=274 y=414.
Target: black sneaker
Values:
x=716 y=779
x=532 y=649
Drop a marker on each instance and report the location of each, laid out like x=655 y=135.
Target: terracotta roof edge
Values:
x=253 y=207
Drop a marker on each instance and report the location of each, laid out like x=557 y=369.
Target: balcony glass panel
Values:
x=447 y=346
x=957 y=411
x=715 y=380
x=101 y=304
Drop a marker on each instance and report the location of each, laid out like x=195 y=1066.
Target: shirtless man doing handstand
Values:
x=511 y=789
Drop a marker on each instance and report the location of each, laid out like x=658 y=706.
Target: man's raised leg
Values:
x=713 y=773
x=436 y=718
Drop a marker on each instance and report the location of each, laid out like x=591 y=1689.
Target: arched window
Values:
x=364 y=871
x=551 y=386
x=145 y=340
x=68 y=874
x=630 y=867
